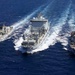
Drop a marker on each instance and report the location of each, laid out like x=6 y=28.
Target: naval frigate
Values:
x=5 y=31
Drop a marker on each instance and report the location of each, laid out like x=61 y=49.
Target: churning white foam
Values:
x=18 y=43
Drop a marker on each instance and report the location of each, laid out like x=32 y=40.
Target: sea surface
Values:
x=53 y=58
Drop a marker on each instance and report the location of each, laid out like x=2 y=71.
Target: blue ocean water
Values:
x=54 y=60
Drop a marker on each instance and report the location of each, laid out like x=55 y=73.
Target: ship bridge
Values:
x=38 y=21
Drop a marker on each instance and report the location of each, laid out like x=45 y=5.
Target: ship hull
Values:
x=26 y=49
x=71 y=49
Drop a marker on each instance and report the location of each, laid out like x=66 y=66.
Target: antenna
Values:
x=39 y=15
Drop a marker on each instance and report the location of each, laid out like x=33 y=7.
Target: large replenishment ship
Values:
x=35 y=34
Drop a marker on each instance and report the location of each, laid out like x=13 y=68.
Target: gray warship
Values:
x=5 y=31
x=35 y=34
x=72 y=42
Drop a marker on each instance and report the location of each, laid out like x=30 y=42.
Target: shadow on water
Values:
x=71 y=54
